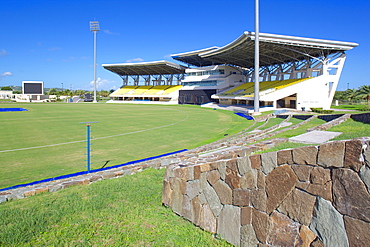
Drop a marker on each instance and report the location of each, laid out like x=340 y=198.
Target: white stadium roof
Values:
x=274 y=49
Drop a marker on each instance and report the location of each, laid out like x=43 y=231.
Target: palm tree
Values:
x=364 y=93
x=350 y=94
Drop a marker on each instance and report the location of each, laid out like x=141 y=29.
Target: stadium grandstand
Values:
x=295 y=72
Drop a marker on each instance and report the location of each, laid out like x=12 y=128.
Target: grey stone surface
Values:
x=269 y=162
x=2 y=199
x=224 y=192
x=365 y=176
x=350 y=195
x=228 y=225
x=209 y=222
x=177 y=196
x=331 y=154
x=212 y=199
x=315 y=137
x=244 y=165
x=248 y=236
x=222 y=169
x=249 y=180
x=192 y=188
x=327 y=223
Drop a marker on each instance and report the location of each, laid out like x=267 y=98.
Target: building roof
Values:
x=146 y=68
x=274 y=49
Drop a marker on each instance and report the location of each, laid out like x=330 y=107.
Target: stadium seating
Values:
x=156 y=90
x=247 y=89
x=124 y=90
x=171 y=89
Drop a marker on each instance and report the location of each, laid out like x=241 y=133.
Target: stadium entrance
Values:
x=196 y=97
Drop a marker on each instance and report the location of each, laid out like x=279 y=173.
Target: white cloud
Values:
x=110 y=32
x=135 y=60
x=5 y=74
x=101 y=84
x=3 y=53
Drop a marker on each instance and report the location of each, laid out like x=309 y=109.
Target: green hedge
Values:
x=320 y=110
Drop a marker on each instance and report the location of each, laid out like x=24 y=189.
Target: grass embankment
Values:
x=123 y=133
x=119 y=212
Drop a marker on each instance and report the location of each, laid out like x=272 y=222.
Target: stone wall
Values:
x=308 y=196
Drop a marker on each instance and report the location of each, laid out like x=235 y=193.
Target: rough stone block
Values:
x=232 y=165
x=352 y=155
x=279 y=183
x=205 y=167
x=197 y=210
x=177 y=196
x=166 y=193
x=283 y=231
x=182 y=173
x=261 y=180
x=350 y=195
x=29 y=193
x=55 y=188
x=259 y=199
x=241 y=197
x=327 y=223
x=212 y=199
x=305 y=155
x=246 y=215
x=223 y=191
x=244 y=165
x=298 y=206
x=192 y=188
x=255 y=161
x=306 y=237
x=285 y=157
x=209 y=222
x=248 y=236
x=213 y=176
x=358 y=231
x=222 y=169
x=260 y=222
x=302 y=171
x=187 y=208
x=2 y=199
x=95 y=178
x=232 y=178
x=196 y=170
x=268 y=162
x=365 y=176
x=249 y=179
x=228 y=225
x=331 y=154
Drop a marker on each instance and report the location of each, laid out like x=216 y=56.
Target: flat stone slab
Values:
x=315 y=137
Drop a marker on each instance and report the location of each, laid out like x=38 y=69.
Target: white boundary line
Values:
x=99 y=138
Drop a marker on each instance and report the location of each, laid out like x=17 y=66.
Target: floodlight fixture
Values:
x=94 y=27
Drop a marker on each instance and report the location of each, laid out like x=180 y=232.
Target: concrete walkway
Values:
x=315 y=137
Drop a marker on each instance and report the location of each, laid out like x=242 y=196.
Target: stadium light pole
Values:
x=94 y=27
x=256 y=59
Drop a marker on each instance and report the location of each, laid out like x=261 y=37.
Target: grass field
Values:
x=114 y=212
x=48 y=141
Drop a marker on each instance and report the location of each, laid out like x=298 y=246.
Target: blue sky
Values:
x=50 y=40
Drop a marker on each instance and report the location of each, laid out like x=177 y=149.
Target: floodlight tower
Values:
x=94 y=27
x=256 y=59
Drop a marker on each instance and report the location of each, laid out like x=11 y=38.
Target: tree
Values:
x=350 y=94
x=6 y=88
x=364 y=93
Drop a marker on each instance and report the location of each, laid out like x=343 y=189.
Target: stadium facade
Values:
x=295 y=72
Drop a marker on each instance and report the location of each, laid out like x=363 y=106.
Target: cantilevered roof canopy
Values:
x=274 y=49
x=145 y=68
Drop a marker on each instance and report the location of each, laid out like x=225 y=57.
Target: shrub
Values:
x=320 y=110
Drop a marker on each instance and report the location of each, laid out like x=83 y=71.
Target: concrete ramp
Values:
x=315 y=137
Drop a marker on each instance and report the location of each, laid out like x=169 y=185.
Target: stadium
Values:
x=295 y=72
